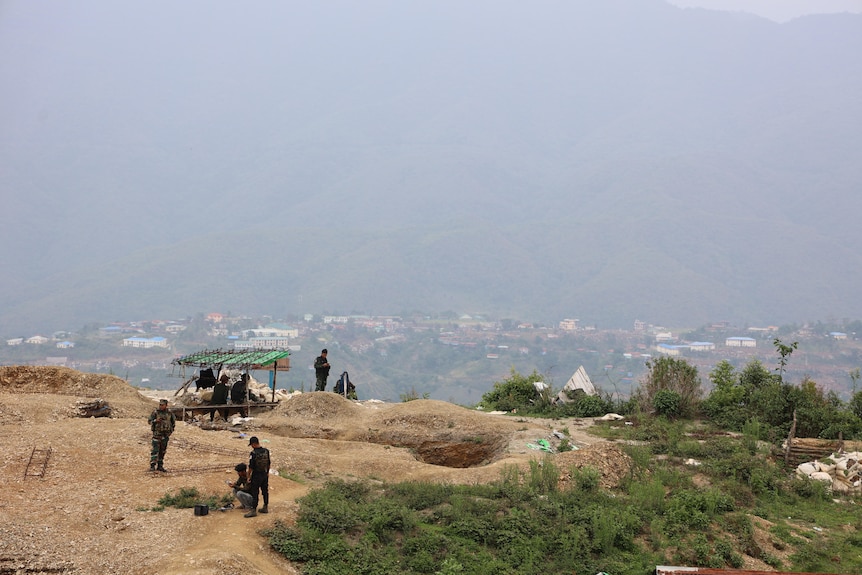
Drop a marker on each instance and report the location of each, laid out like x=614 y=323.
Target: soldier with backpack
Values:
x=345 y=387
x=258 y=464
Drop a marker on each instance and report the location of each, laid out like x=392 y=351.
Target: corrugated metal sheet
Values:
x=669 y=570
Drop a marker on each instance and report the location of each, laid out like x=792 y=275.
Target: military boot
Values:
x=152 y=466
x=264 y=509
x=252 y=513
x=162 y=469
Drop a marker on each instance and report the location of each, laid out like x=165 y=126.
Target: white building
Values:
x=271 y=332
x=701 y=346
x=145 y=342
x=262 y=343
x=569 y=324
x=740 y=342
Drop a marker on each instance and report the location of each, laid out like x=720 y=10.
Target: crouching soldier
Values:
x=162 y=422
x=242 y=487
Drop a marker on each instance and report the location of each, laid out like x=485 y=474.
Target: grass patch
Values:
x=190 y=496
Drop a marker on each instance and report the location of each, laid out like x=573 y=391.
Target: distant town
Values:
x=450 y=357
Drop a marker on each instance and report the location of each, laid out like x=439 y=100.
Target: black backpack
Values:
x=260 y=459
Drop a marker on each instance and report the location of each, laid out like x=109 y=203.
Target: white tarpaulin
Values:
x=579 y=380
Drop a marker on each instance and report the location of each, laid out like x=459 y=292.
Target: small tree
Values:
x=725 y=404
x=518 y=392
x=671 y=374
x=784 y=351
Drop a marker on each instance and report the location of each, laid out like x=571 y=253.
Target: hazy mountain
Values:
x=604 y=160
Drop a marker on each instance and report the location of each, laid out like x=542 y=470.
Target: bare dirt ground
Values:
x=91 y=510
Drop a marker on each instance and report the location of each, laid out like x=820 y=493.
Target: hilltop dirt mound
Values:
x=125 y=401
x=317 y=406
x=90 y=510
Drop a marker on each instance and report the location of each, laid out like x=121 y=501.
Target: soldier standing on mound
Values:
x=162 y=422
x=321 y=371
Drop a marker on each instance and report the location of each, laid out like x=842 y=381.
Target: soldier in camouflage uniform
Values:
x=162 y=422
x=258 y=464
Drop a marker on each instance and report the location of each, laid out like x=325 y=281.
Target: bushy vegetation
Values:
x=526 y=523
x=520 y=394
x=190 y=496
x=672 y=388
x=755 y=394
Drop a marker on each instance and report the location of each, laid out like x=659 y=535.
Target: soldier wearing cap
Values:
x=258 y=464
x=321 y=371
x=241 y=487
x=162 y=422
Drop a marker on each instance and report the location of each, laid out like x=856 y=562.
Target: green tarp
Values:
x=232 y=358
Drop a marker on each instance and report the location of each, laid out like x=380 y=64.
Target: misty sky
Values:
x=778 y=10
x=576 y=146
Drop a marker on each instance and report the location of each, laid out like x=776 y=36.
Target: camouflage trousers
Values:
x=157 y=453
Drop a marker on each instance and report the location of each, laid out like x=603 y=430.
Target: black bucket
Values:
x=202 y=509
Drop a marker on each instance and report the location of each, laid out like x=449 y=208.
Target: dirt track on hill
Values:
x=91 y=512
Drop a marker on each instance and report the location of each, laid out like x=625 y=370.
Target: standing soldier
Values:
x=321 y=370
x=258 y=464
x=162 y=422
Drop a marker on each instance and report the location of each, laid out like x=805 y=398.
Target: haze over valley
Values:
x=609 y=161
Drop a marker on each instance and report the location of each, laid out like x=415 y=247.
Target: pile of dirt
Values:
x=612 y=463
x=320 y=406
x=125 y=401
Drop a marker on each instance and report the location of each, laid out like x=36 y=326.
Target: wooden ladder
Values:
x=38 y=462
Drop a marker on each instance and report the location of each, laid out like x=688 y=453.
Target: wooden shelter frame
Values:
x=274 y=360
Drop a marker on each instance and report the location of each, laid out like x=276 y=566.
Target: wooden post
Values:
x=790 y=439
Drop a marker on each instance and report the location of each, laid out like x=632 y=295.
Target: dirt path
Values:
x=228 y=543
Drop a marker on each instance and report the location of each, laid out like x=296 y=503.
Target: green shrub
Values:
x=648 y=495
x=809 y=489
x=419 y=495
x=518 y=392
x=189 y=497
x=586 y=479
x=668 y=403
x=583 y=405
x=327 y=511
x=674 y=375
x=544 y=476
x=384 y=515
